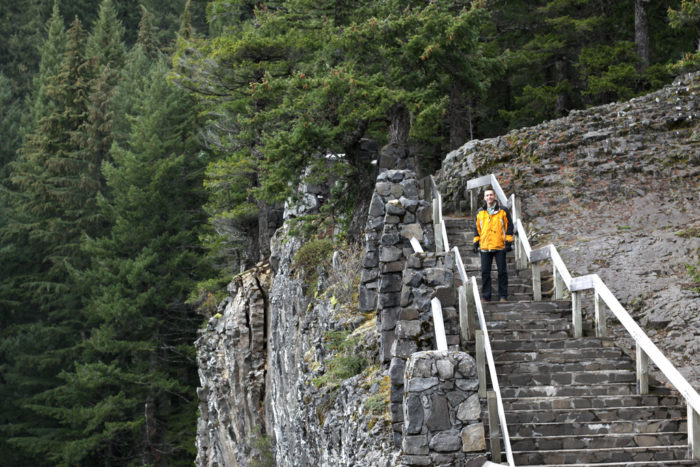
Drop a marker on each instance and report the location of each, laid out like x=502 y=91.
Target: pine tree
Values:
x=130 y=396
x=51 y=205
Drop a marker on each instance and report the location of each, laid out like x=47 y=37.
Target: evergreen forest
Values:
x=149 y=148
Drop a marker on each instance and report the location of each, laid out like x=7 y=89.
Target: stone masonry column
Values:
x=442 y=412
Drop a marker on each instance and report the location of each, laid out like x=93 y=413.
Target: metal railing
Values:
x=645 y=348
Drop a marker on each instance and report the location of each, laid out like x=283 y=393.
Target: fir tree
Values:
x=130 y=396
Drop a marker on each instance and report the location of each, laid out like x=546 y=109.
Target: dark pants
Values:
x=486 y=261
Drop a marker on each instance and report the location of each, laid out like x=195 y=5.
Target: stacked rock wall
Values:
x=425 y=276
x=442 y=411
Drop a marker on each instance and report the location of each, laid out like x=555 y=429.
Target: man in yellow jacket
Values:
x=493 y=237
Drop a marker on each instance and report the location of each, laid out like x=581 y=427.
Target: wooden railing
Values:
x=645 y=348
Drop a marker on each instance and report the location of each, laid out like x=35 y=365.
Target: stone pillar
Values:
x=442 y=412
x=396 y=214
x=426 y=275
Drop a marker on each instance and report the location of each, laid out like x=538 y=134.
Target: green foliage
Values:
x=694 y=273
x=264 y=455
x=314 y=255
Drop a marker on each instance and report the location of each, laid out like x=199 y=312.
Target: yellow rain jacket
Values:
x=492 y=231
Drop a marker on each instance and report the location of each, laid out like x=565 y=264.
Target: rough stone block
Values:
x=397 y=191
x=415 y=261
x=389 y=219
x=403 y=348
x=406 y=296
x=390 y=283
x=394 y=208
x=394 y=266
x=408 y=314
x=388 y=254
x=368 y=275
x=424 y=215
x=420 y=367
x=467 y=366
x=386 y=343
x=413 y=415
x=409 y=231
x=367 y=299
x=421 y=384
x=389 y=318
x=473 y=438
x=446 y=295
x=415 y=460
x=396 y=370
x=446 y=441
x=388 y=300
x=445 y=368
x=389 y=239
x=396 y=176
x=467 y=384
x=397 y=413
x=383 y=188
x=415 y=444
x=470 y=409
x=410 y=204
x=410 y=187
x=376 y=206
x=456 y=397
x=412 y=278
x=436 y=277
x=439 y=417
x=371 y=260
x=407 y=329
x=409 y=218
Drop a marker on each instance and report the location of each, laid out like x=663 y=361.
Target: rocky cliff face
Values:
x=616 y=189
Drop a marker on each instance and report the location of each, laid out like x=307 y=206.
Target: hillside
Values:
x=616 y=189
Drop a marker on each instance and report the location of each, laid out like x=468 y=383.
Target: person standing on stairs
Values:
x=493 y=237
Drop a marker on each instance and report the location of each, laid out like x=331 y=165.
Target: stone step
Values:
x=516 y=315
x=596 y=427
x=544 y=390
x=542 y=305
x=556 y=355
x=609 y=440
x=529 y=334
x=595 y=456
x=542 y=323
x=525 y=345
x=604 y=414
x=543 y=367
x=597 y=377
x=584 y=401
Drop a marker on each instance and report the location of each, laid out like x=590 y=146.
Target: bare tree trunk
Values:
x=460 y=117
x=560 y=75
x=641 y=32
x=399 y=125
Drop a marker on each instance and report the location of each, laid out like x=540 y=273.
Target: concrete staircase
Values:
x=571 y=401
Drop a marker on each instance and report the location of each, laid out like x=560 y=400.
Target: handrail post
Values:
x=693 y=433
x=642 y=371
x=558 y=283
x=465 y=329
x=494 y=427
x=601 y=329
x=536 y=282
x=576 y=312
x=481 y=361
x=472 y=203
